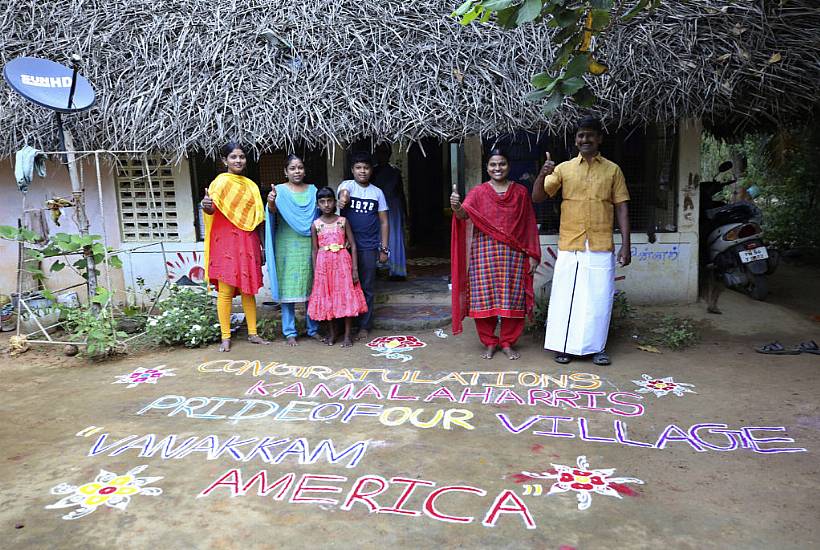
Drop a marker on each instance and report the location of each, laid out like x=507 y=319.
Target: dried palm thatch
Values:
x=186 y=75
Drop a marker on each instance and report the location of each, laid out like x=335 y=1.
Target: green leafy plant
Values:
x=96 y=328
x=538 y=322
x=188 y=318
x=675 y=333
x=269 y=328
x=134 y=306
x=784 y=169
x=60 y=245
x=575 y=24
x=622 y=310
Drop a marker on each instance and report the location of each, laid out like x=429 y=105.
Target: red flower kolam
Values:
x=583 y=481
x=396 y=342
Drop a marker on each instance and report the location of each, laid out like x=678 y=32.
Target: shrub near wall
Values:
x=188 y=318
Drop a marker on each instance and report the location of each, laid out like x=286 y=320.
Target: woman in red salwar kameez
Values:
x=492 y=277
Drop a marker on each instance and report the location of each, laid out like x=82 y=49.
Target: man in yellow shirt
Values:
x=583 y=285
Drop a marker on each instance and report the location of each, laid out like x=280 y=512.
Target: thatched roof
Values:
x=187 y=74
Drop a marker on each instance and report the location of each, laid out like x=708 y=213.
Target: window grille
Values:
x=147 y=216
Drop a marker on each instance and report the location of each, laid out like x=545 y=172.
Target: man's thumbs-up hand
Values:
x=548 y=167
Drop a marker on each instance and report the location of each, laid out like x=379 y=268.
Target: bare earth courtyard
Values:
x=715 y=447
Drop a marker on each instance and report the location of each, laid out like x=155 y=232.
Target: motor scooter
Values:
x=734 y=246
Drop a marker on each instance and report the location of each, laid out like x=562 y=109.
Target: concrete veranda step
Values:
x=411 y=317
x=418 y=290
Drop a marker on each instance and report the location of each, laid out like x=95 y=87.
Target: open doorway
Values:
x=429 y=175
x=426 y=181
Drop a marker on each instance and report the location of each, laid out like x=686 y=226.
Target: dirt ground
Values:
x=706 y=469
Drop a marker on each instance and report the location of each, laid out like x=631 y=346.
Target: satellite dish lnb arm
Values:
x=75 y=64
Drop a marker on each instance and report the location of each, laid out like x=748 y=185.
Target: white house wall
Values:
x=660 y=272
x=57 y=183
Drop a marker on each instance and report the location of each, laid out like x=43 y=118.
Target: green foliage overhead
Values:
x=583 y=25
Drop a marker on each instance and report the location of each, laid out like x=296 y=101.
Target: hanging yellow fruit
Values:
x=596 y=67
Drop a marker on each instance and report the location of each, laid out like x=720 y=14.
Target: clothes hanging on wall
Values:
x=27 y=161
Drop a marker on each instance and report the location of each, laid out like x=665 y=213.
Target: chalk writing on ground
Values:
x=411 y=398
x=308 y=410
x=272 y=450
x=494 y=379
x=618 y=403
x=364 y=490
x=747 y=437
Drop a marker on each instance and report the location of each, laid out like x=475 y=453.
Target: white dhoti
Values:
x=580 y=306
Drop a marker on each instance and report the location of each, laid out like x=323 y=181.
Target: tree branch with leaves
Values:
x=579 y=27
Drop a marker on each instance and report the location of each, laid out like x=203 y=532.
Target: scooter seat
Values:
x=738 y=212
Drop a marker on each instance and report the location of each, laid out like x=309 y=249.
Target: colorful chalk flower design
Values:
x=108 y=489
x=393 y=347
x=143 y=376
x=662 y=386
x=584 y=481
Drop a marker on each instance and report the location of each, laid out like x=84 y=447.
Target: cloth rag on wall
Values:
x=583 y=288
x=298 y=216
x=26 y=162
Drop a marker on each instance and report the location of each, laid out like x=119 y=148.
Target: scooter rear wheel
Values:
x=758 y=287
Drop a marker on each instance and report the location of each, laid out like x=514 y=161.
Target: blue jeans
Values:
x=368 y=263
x=289 y=322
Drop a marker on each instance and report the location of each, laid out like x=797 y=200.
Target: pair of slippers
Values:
x=601 y=358
x=776 y=348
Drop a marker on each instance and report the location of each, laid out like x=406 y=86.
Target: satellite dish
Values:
x=49 y=84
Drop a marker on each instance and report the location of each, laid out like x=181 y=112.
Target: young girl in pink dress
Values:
x=336 y=292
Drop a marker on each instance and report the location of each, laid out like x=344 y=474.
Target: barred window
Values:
x=146 y=193
x=646 y=156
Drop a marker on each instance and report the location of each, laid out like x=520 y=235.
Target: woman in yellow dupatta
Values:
x=233 y=245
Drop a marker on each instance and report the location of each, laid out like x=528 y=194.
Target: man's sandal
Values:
x=601 y=359
x=808 y=347
x=776 y=348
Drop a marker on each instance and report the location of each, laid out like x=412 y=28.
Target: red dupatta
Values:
x=508 y=218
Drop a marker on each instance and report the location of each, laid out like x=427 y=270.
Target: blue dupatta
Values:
x=299 y=218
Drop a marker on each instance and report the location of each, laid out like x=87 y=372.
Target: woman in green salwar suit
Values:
x=292 y=206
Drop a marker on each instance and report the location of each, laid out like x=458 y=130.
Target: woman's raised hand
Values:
x=207 y=203
x=455 y=199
